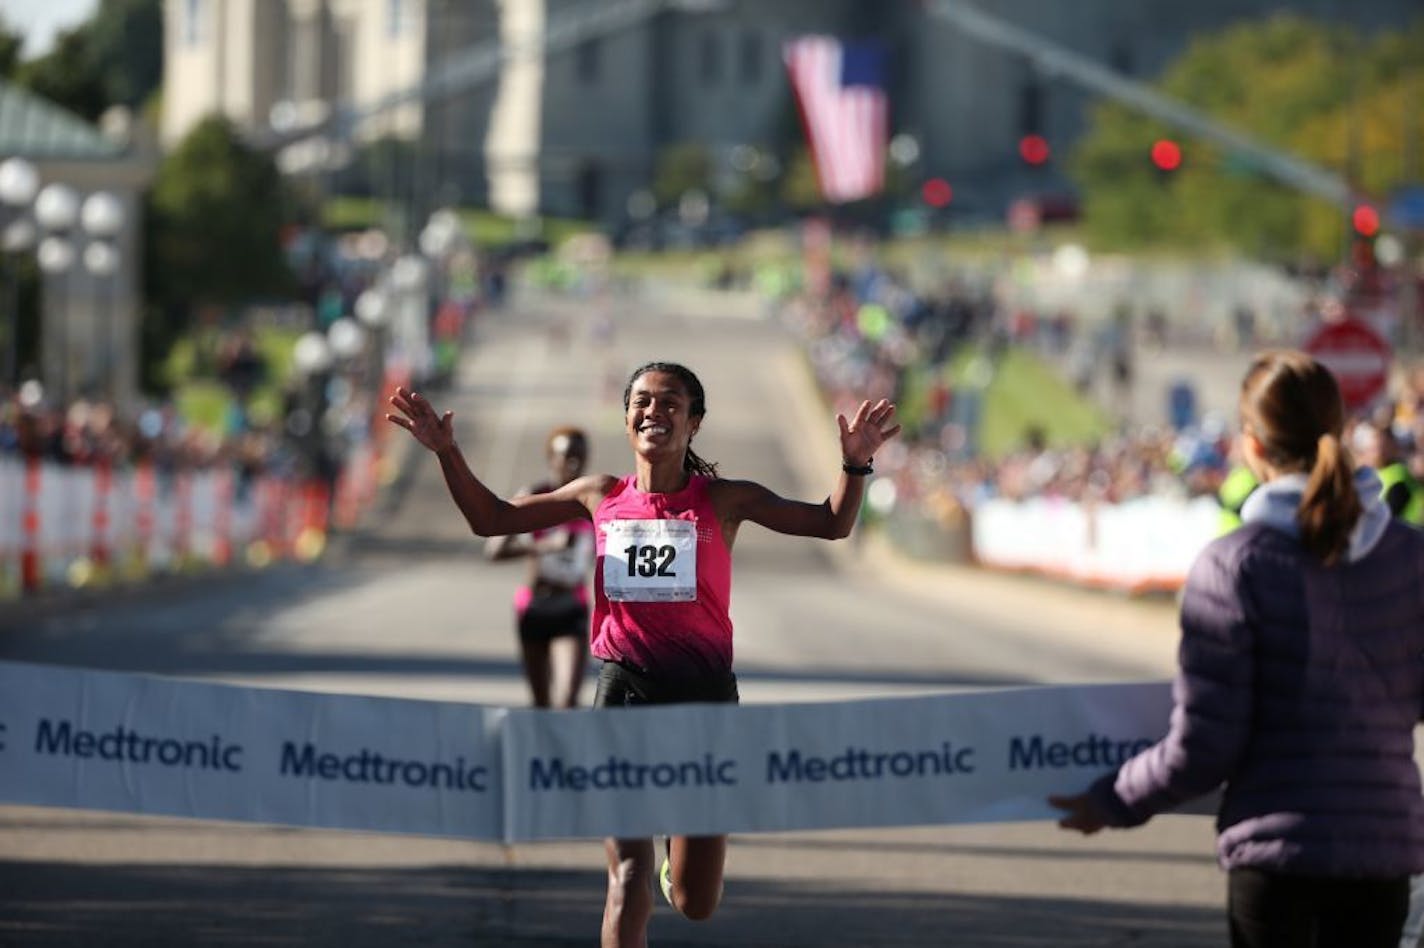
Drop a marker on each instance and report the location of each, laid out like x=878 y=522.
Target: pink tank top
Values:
x=663 y=583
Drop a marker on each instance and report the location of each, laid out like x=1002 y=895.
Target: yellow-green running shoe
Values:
x=665 y=881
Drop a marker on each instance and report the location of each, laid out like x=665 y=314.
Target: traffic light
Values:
x=1166 y=155
x=1034 y=150
x=1366 y=221
x=1032 y=107
x=936 y=192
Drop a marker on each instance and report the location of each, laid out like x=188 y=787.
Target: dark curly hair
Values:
x=697 y=406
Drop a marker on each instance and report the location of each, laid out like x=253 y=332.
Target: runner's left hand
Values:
x=871 y=427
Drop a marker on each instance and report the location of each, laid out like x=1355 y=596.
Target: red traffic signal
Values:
x=936 y=192
x=1034 y=150
x=1365 y=220
x=1166 y=154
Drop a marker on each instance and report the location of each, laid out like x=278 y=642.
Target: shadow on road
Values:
x=153 y=630
x=45 y=904
x=937 y=847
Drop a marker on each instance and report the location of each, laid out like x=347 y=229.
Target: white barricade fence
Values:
x=1147 y=543
x=246 y=524
x=134 y=743
x=140 y=519
x=12 y=522
x=65 y=518
x=126 y=515
x=208 y=497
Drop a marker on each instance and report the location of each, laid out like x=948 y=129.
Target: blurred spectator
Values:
x=872 y=334
x=1376 y=446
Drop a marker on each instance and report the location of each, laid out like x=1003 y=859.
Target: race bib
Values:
x=569 y=566
x=650 y=560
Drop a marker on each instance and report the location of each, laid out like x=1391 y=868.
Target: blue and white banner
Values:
x=971 y=757
x=142 y=744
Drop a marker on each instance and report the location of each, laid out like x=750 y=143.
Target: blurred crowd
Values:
x=869 y=334
x=261 y=412
x=93 y=433
x=306 y=438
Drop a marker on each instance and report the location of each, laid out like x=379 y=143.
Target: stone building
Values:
x=576 y=130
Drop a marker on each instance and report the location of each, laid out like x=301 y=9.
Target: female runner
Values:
x=661 y=626
x=552 y=608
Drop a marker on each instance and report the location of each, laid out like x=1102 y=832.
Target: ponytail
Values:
x=1292 y=404
x=694 y=464
x=1329 y=508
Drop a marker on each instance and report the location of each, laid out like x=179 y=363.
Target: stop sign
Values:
x=1356 y=354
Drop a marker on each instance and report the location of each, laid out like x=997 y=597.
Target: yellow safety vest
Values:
x=1234 y=490
x=1398 y=473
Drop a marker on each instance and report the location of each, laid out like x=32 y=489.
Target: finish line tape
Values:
x=144 y=744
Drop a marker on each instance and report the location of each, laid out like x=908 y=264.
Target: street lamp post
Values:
x=372 y=309
x=19 y=182
x=409 y=318
x=57 y=211
x=102 y=218
x=312 y=360
x=346 y=338
x=439 y=239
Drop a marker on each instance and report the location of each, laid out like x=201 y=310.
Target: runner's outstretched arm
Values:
x=833 y=518
x=487 y=514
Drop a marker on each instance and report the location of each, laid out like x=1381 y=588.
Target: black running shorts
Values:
x=620 y=686
x=552 y=617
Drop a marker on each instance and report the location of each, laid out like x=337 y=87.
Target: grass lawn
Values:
x=207 y=403
x=1026 y=391
x=485 y=228
x=1023 y=391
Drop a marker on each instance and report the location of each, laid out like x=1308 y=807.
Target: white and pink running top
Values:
x=663 y=586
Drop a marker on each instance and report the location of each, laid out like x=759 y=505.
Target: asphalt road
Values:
x=406 y=606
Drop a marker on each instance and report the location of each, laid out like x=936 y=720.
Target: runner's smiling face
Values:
x=658 y=422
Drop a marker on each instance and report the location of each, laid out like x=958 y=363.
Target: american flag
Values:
x=841 y=90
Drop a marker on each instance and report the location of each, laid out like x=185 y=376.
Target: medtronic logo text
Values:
x=617 y=773
x=857 y=763
x=1092 y=751
x=64 y=740
x=370 y=767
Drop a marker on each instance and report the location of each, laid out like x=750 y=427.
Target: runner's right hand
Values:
x=418 y=417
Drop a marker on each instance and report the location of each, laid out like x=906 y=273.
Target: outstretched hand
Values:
x=1082 y=813
x=863 y=435
x=418 y=417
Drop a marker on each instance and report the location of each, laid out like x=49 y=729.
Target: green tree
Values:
x=1292 y=83
x=68 y=76
x=1377 y=135
x=800 y=188
x=681 y=168
x=214 y=218
x=114 y=58
x=754 y=193
x=127 y=41
x=11 y=42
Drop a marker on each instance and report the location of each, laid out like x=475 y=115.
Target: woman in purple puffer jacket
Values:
x=1301 y=680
